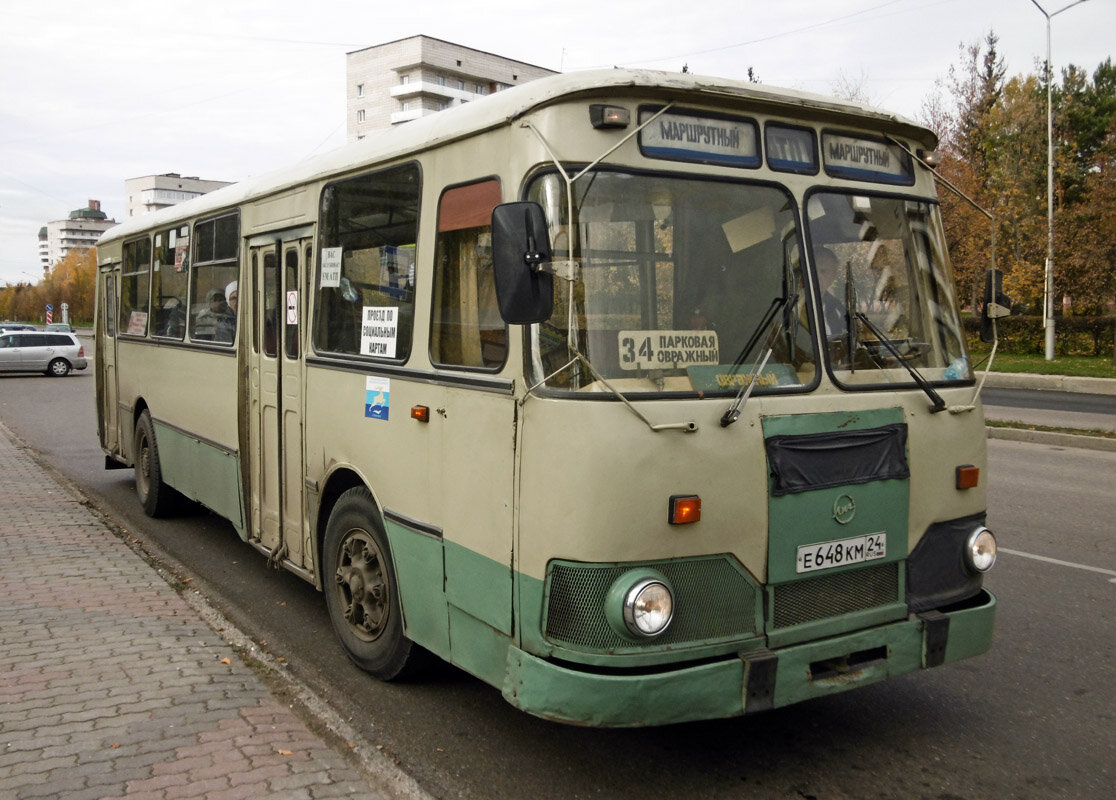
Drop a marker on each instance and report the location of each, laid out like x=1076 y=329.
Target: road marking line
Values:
x=1061 y=563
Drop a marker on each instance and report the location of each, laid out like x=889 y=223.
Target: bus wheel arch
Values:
x=361 y=588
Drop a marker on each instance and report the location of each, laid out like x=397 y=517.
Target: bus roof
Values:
x=503 y=107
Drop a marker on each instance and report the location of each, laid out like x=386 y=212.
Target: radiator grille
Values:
x=713 y=600
x=831 y=595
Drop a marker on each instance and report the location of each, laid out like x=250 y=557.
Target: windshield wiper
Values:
x=777 y=304
x=938 y=403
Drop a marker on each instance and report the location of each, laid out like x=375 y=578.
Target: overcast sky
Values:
x=93 y=93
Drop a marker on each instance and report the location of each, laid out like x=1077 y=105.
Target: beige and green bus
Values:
x=642 y=397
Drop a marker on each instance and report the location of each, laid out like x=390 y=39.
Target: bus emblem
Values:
x=844 y=509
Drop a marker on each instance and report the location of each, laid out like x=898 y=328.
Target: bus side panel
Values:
x=165 y=380
x=449 y=477
x=203 y=472
x=417 y=557
x=475 y=437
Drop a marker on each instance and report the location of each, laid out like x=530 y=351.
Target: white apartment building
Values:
x=410 y=78
x=152 y=192
x=79 y=231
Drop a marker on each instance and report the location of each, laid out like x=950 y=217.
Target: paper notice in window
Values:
x=379 y=329
x=331 y=267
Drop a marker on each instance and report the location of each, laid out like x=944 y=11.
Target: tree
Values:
x=964 y=130
x=993 y=137
x=1015 y=179
x=1087 y=236
x=1085 y=229
x=73 y=281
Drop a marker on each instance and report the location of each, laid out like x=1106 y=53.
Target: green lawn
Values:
x=1078 y=366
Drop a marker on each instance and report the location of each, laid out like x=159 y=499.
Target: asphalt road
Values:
x=1051 y=408
x=1034 y=718
x=1075 y=402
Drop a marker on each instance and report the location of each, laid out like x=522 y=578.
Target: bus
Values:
x=641 y=397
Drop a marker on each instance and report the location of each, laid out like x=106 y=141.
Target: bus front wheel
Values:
x=361 y=589
x=157 y=497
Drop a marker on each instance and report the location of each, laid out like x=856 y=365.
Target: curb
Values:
x=1055 y=383
x=1053 y=438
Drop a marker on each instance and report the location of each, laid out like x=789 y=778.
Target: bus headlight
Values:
x=980 y=550
x=640 y=604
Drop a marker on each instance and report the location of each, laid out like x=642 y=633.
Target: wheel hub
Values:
x=361 y=585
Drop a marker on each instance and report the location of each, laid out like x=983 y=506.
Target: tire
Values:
x=58 y=368
x=362 y=591
x=156 y=496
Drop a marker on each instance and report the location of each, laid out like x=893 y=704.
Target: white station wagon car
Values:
x=38 y=351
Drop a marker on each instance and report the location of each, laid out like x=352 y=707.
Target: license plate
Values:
x=825 y=555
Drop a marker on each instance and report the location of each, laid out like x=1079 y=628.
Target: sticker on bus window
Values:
x=181 y=253
x=377 y=397
x=724 y=377
x=379 y=329
x=667 y=349
x=292 y=308
x=137 y=323
x=331 y=267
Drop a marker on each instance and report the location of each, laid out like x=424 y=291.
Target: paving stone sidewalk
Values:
x=112 y=686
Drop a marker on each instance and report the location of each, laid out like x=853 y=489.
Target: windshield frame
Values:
x=895 y=377
x=538 y=377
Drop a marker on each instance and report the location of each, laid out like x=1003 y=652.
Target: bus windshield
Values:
x=678 y=276
x=886 y=294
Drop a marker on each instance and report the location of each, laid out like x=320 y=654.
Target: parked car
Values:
x=64 y=327
x=15 y=326
x=39 y=351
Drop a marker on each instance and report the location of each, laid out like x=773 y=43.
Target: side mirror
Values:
x=996 y=304
x=520 y=244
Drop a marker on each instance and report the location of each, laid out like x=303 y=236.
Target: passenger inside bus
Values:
x=216 y=309
x=226 y=323
x=172 y=321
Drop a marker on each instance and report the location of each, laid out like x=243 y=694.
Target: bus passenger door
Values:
x=275 y=442
x=296 y=534
x=104 y=338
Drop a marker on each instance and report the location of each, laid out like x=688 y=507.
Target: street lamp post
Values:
x=1048 y=284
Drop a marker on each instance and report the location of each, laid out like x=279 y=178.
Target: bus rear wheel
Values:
x=156 y=496
x=362 y=591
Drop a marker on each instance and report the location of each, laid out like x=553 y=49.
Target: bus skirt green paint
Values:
x=719 y=689
x=202 y=471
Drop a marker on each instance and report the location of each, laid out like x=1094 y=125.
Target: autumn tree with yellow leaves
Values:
x=993 y=138
x=72 y=281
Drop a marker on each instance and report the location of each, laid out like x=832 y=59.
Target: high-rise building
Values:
x=410 y=78
x=152 y=192
x=79 y=231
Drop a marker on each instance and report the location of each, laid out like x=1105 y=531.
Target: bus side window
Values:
x=291 y=283
x=372 y=220
x=214 y=270
x=135 y=286
x=271 y=308
x=466 y=327
x=168 y=285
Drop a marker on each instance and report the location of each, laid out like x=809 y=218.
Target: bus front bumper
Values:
x=751 y=681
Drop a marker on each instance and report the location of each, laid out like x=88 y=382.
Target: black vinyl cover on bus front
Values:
x=805 y=462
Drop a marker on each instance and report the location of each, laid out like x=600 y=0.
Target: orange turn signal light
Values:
x=421 y=413
x=684 y=508
x=968 y=476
